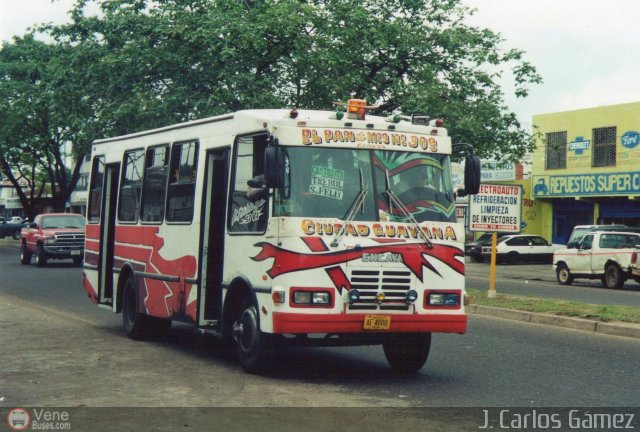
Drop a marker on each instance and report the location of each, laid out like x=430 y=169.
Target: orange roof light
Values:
x=356 y=108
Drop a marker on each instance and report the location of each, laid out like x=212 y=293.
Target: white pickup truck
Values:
x=606 y=255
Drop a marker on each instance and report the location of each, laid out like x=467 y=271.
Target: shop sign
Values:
x=621 y=183
x=579 y=145
x=630 y=139
x=497 y=171
x=457 y=176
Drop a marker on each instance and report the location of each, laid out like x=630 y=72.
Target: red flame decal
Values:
x=414 y=257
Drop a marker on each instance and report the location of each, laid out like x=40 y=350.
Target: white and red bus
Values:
x=275 y=227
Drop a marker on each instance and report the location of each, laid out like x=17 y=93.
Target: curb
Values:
x=623 y=329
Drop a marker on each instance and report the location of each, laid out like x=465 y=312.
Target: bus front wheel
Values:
x=407 y=352
x=251 y=343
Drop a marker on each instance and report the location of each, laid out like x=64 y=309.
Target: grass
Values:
x=8 y=241
x=603 y=313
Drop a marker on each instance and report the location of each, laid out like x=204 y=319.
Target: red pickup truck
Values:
x=53 y=236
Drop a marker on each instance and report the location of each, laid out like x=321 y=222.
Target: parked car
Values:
x=579 y=231
x=522 y=247
x=609 y=256
x=474 y=249
x=53 y=236
x=11 y=229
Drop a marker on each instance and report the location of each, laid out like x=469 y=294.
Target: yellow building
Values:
x=586 y=168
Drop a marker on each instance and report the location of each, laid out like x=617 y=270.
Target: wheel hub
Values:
x=244 y=331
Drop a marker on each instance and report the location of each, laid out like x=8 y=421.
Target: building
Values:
x=9 y=202
x=586 y=168
x=78 y=199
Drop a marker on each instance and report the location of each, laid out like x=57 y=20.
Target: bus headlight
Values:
x=310 y=297
x=443 y=299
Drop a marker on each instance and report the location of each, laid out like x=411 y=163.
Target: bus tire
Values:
x=136 y=325
x=407 y=352
x=250 y=342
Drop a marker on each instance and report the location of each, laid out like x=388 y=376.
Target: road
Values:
x=497 y=363
x=539 y=280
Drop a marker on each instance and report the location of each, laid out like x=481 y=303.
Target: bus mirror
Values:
x=471 y=176
x=273 y=167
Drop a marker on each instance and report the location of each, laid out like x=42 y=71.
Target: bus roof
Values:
x=291 y=126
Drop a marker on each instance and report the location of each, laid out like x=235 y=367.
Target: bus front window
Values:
x=421 y=181
x=325 y=182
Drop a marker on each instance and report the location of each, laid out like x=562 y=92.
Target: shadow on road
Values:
x=327 y=365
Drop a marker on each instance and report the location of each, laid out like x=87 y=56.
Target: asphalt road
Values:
x=497 y=363
x=539 y=280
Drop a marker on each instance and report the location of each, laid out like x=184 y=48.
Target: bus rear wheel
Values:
x=407 y=352
x=251 y=343
x=139 y=326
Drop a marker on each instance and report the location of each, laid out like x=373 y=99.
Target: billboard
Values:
x=496 y=207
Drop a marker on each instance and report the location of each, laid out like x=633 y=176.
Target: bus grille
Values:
x=394 y=284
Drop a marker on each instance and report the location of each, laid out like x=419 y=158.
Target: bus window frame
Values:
x=123 y=173
x=91 y=183
x=166 y=184
x=196 y=161
x=232 y=186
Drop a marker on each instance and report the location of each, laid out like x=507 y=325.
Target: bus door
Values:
x=107 y=234
x=214 y=210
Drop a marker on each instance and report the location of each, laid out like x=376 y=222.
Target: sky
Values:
x=585 y=50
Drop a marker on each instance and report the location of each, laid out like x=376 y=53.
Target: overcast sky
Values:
x=585 y=50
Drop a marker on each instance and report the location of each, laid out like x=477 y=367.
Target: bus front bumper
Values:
x=290 y=323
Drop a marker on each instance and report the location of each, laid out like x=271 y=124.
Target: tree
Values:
x=175 y=60
x=47 y=121
x=141 y=64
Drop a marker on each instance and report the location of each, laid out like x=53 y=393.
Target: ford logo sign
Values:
x=630 y=139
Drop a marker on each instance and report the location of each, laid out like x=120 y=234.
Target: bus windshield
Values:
x=325 y=182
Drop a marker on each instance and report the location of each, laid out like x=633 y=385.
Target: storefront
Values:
x=586 y=168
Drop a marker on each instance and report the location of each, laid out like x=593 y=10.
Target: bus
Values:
x=270 y=228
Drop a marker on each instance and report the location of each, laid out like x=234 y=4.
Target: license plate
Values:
x=74 y=253
x=377 y=322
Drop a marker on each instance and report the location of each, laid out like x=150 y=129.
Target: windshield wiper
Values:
x=358 y=203
x=393 y=199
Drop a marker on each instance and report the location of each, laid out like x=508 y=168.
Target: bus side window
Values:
x=182 y=182
x=131 y=186
x=154 y=187
x=95 y=190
